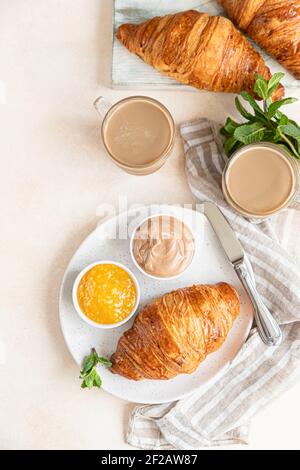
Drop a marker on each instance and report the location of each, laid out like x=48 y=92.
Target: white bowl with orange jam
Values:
x=106 y=294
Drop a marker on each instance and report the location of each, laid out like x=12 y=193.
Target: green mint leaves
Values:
x=249 y=133
x=266 y=123
x=88 y=374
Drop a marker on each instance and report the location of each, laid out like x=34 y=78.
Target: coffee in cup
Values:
x=138 y=133
x=260 y=179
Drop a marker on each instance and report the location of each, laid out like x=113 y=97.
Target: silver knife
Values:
x=267 y=326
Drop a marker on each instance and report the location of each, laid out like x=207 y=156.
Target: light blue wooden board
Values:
x=128 y=71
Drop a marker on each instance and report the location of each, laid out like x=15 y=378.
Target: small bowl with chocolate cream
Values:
x=162 y=247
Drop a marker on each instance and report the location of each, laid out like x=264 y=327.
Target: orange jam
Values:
x=106 y=294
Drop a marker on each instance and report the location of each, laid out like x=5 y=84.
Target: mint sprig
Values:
x=88 y=374
x=264 y=123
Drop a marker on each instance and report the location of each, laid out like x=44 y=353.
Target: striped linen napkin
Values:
x=220 y=412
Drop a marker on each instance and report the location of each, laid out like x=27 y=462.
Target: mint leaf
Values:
x=88 y=364
x=229 y=145
x=282 y=119
x=261 y=117
x=251 y=101
x=275 y=79
x=97 y=381
x=243 y=111
x=274 y=82
x=273 y=108
x=291 y=130
x=249 y=133
x=268 y=136
x=89 y=375
x=104 y=361
x=261 y=88
x=230 y=126
x=89 y=379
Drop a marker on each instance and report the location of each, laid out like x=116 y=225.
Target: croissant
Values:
x=176 y=332
x=273 y=24
x=196 y=49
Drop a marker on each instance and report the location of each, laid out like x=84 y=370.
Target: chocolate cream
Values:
x=163 y=246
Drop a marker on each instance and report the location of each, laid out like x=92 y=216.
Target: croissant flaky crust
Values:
x=176 y=332
x=273 y=24
x=196 y=49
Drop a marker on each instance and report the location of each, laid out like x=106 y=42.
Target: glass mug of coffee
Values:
x=261 y=179
x=137 y=132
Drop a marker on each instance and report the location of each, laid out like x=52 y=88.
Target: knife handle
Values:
x=267 y=326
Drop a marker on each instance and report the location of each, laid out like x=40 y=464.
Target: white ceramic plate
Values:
x=209 y=265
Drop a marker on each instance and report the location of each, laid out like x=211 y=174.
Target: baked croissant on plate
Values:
x=273 y=24
x=176 y=332
x=196 y=49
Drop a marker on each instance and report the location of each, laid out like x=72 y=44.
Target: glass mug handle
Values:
x=295 y=203
x=102 y=106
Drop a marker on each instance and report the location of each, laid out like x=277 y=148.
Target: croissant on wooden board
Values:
x=273 y=24
x=176 y=332
x=196 y=49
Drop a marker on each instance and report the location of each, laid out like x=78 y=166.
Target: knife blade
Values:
x=224 y=232
x=267 y=326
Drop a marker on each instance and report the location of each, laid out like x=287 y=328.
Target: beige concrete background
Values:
x=55 y=60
